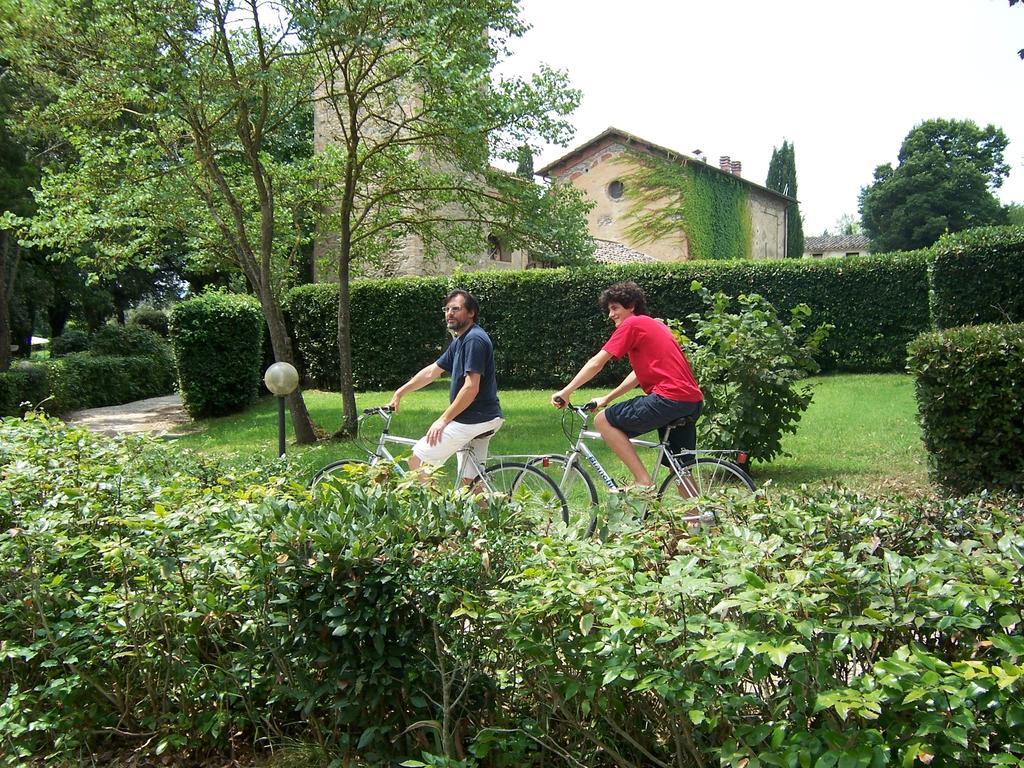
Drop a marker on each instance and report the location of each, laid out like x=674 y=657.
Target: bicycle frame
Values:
x=580 y=448
x=381 y=451
x=500 y=477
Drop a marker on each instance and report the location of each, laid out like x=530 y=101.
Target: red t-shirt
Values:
x=660 y=365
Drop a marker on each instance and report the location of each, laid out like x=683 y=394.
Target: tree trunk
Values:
x=5 y=305
x=306 y=431
x=349 y=425
x=57 y=314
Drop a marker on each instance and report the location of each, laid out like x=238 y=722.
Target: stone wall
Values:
x=410 y=257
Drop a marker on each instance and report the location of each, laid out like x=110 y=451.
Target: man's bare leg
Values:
x=619 y=443
x=415 y=464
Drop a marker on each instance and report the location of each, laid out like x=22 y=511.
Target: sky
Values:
x=844 y=82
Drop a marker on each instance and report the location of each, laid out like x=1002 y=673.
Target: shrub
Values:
x=85 y=380
x=70 y=341
x=748 y=363
x=22 y=384
x=130 y=341
x=978 y=277
x=826 y=629
x=971 y=406
x=217 y=339
x=143 y=590
x=154 y=319
x=138 y=592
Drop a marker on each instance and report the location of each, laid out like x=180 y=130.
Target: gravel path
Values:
x=156 y=415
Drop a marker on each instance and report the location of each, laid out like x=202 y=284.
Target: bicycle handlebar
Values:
x=580 y=409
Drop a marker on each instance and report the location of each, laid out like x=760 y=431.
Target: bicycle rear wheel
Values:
x=334 y=469
x=528 y=488
x=704 y=490
x=574 y=483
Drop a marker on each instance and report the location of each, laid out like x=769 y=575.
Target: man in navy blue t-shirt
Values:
x=474 y=413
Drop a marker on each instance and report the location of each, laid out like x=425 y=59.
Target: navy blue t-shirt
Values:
x=472 y=352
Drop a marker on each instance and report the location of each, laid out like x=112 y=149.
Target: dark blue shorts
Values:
x=650 y=412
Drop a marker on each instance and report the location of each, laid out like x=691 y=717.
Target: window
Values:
x=853 y=253
x=616 y=190
x=497 y=250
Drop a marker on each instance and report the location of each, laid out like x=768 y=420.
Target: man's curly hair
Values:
x=627 y=293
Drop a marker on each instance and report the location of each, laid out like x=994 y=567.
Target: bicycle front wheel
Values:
x=527 y=487
x=575 y=484
x=335 y=469
x=703 y=490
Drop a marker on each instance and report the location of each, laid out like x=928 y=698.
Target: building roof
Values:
x=610 y=252
x=613 y=133
x=846 y=243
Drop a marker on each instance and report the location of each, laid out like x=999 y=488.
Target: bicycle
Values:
x=695 y=486
x=502 y=478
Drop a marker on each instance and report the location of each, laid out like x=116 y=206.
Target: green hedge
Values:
x=129 y=341
x=22 y=384
x=122 y=365
x=72 y=340
x=155 y=320
x=970 y=396
x=978 y=277
x=546 y=323
x=217 y=340
x=86 y=380
x=144 y=590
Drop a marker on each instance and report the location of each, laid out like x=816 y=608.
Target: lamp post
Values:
x=281 y=379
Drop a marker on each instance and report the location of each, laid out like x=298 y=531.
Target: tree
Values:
x=173 y=114
x=944 y=182
x=847 y=224
x=17 y=175
x=524 y=162
x=782 y=178
x=417 y=116
x=1015 y=214
x=193 y=115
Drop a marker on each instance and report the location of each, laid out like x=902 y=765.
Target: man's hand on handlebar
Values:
x=560 y=399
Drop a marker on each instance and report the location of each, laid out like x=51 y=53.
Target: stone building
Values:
x=410 y=257
x=601 y=166
x=836 y=245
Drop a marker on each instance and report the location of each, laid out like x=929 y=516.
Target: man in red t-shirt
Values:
x=659 y=368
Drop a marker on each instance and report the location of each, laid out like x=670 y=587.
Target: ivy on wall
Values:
x=710 y=208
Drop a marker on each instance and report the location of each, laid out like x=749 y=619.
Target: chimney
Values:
x=737 y=168
x=724 y=164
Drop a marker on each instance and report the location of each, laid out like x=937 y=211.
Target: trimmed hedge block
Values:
x=71 y=340
x=546 y=323
x=22 y=384
x=970 y=396
x=217 y=340
x=978 y=277
x=85 y=380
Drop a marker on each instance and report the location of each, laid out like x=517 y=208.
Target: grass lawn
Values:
x=860 y=430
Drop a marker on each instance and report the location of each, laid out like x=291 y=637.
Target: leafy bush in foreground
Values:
x=147 y=597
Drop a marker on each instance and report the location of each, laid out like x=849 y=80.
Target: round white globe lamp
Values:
x=281 y=379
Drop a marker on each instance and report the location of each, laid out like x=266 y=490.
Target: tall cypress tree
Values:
x=782 y=178
x=524 y=169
